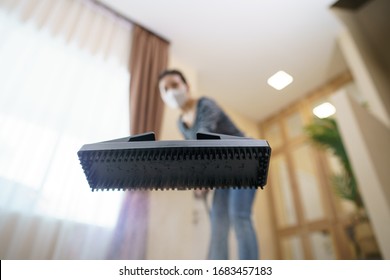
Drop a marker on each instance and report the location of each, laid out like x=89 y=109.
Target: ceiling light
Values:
x=280 y=80
x=324 y=110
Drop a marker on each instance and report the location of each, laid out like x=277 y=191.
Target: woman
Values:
x=230 y=206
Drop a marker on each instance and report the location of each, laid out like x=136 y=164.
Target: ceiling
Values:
x=235 y=46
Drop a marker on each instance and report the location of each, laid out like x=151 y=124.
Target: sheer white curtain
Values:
x=64 y=82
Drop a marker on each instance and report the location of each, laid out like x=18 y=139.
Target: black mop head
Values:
x=211 y=161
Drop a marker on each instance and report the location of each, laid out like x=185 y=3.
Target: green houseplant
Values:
x=325 y=134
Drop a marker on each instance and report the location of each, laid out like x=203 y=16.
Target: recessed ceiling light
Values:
x=324 y=110
x=280 y=80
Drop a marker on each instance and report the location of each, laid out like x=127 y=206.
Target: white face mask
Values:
x=175 y=98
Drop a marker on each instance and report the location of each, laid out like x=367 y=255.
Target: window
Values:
x=55 y=97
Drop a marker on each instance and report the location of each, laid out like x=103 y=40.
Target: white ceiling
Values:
x=236 y=45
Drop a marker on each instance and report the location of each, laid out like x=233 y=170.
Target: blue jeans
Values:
x=233 y=207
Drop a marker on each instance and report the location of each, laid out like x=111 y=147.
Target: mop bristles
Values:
x=211 y=161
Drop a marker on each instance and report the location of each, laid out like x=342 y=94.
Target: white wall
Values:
x=367 y=143
x=363 y=43
x=179 y=226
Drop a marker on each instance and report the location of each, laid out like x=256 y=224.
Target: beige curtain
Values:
x=149 y=56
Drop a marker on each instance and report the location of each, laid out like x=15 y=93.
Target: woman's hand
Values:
x=200 y=194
